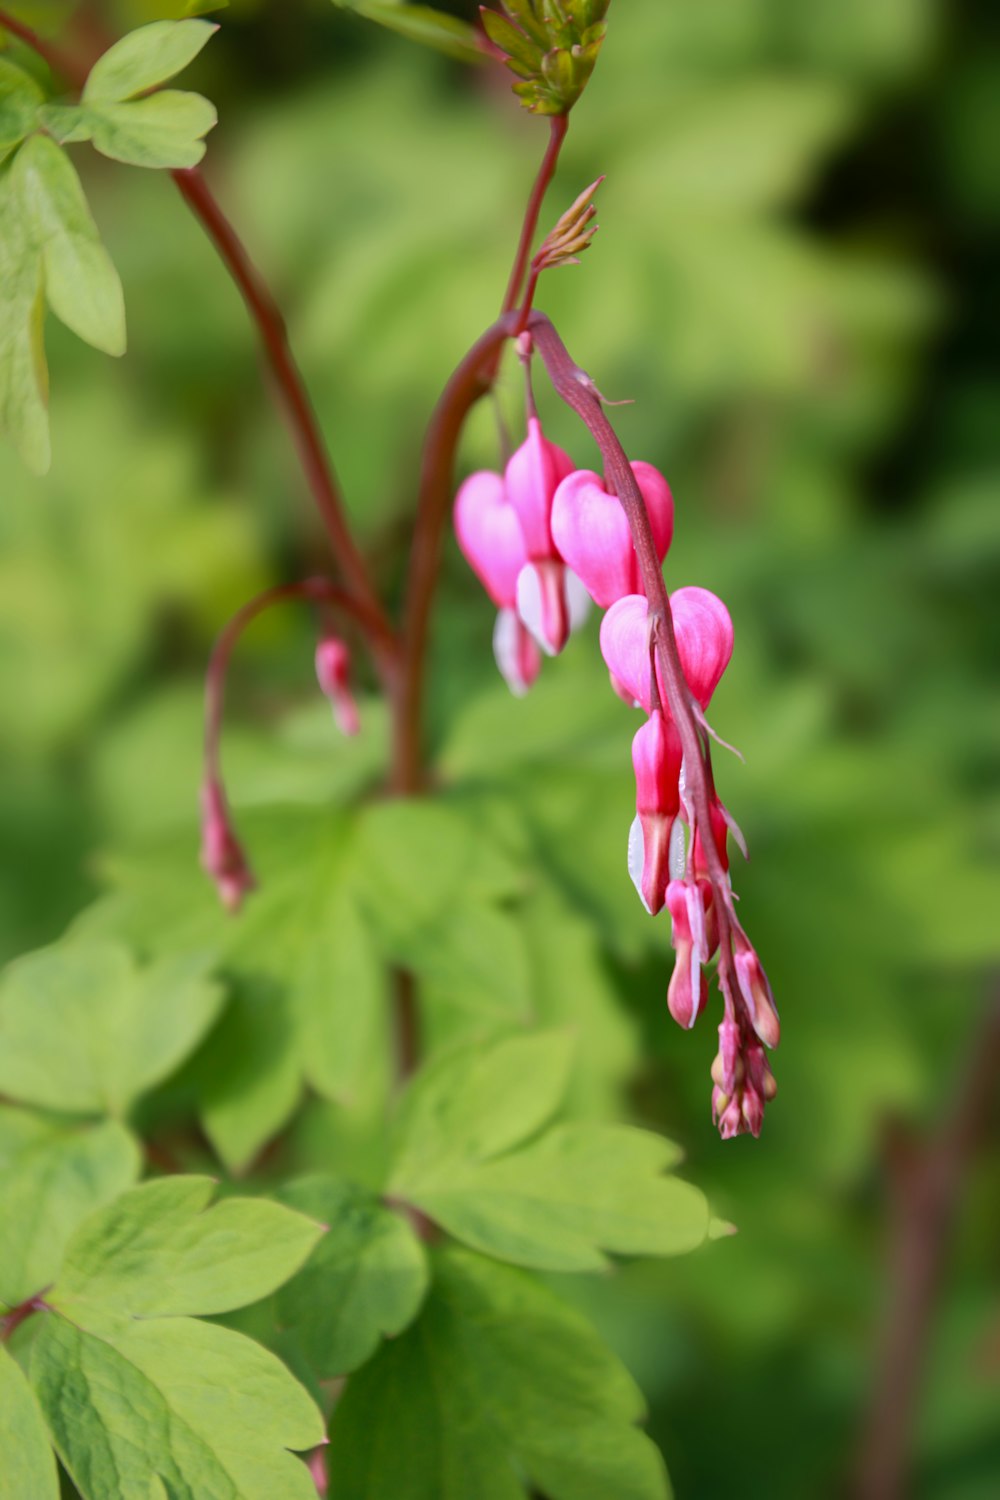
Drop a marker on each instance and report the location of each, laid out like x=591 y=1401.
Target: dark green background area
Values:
x=795 y=281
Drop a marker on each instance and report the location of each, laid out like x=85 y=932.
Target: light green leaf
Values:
x=81 y=283
x=200 y=1408
x=165 y=130
x=338 y=988
x=559 y=1202
x=364 y=1282
x=478 y=1100
x=162 y=1251
x=421 y=23
x=81 y=1028
x=497 y=1389
x=51 y=1177
x=29 y=1469
x=24 y=381
x=20 y=98
x=144 y=59
x=66 y=123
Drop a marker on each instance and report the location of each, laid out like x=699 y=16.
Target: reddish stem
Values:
x=299 y=411
x=57 y=60
x=558 y=125
x=315 y=590
x=18 y=1315
x=926 y=1180
x=470 y=381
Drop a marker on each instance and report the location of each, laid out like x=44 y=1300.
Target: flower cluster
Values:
x=544 y=538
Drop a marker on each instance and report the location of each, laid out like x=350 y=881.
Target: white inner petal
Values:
x=677 y=856
x=529 y=604
x=637 y=856
x=506 y=649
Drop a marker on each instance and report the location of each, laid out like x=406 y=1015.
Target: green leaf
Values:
x=161 y=1251
x=81 y=284
x=165 y=130
x=81 y=1028
x=497 y=1389
x=441 y=917
x=20 y=98
x=144 y=59
x=421 y=23
x=24 y=381
x=478 y=1100
x=29 y=1469
x=562 y=1200
x=51 y=1178
x=197 y=1408
x=365 y=1281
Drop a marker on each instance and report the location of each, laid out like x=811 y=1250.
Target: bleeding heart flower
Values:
x=704 y=635
x=489 y=534
x=591 y=532
x=532 y=476
x=656 y=759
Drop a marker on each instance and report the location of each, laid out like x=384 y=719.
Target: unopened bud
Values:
x=333 y=672
x=756 y=991
x=222 y=855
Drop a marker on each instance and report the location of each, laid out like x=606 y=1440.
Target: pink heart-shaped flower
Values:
x=704 y=634
x=489 y=535
x=591 y=532
x=532 y=476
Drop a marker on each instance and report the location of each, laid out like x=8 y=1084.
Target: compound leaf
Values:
x=160 y=1250
x=498 y=1388
x=365 y=1280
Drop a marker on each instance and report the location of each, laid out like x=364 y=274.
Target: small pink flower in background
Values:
x=592 y=534
x=222 y=855
x=656 y=759
x=704 y=635
x=333 y=672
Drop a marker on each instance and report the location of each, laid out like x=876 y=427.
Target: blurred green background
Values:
x=795 y=280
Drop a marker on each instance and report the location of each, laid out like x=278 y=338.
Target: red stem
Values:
x=926 y=1180
x=49 y=53
x=316 y=590
x=470 y=381
x=558 y=125
x=299 y=412
x=12 y=1321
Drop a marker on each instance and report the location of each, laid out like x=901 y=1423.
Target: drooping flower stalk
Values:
x=748 y=1003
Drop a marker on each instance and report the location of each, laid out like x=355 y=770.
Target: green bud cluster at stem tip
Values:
x=551 y=45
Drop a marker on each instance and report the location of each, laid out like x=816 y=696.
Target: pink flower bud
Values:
x=730 y=1121
x=532 y=476
x=333 y=672
x=489 y=534
x=756 y=991
x=649 y=858
x=704 y=634
x=730 y=1056
x=516 y=652
x=592 y=534
x=752 y=1110
x=222 y=855
x=687 y=992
